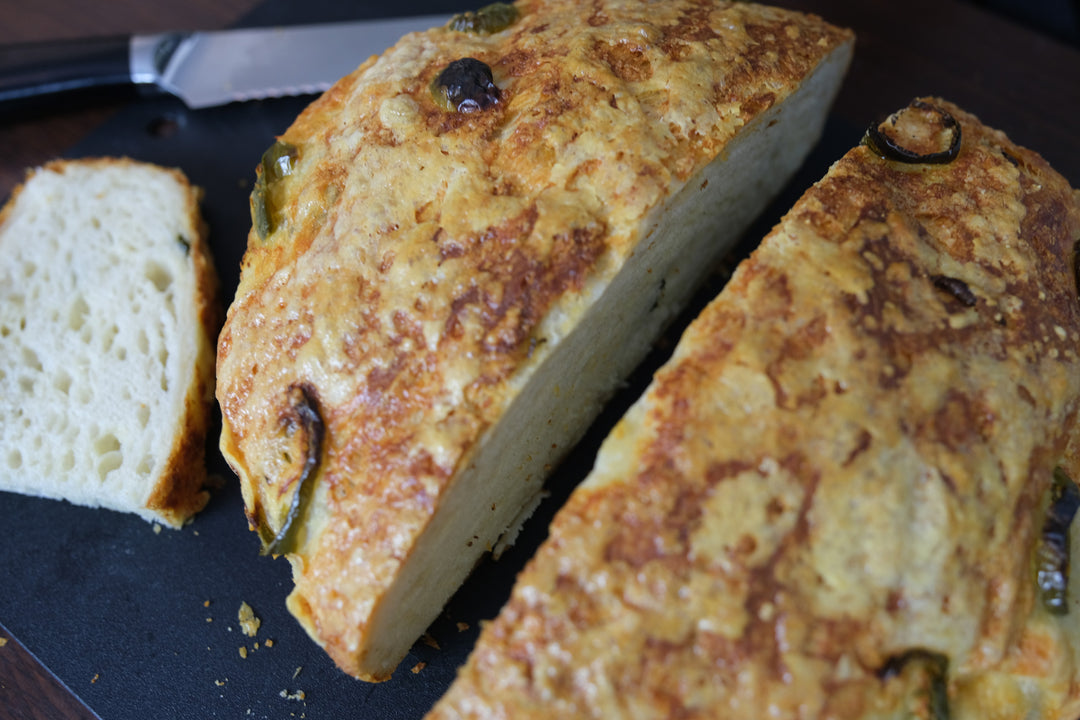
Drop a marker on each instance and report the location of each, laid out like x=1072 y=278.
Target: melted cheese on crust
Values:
x=843 y=464
x=427 y=262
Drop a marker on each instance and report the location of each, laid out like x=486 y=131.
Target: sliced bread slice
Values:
x=108 y=315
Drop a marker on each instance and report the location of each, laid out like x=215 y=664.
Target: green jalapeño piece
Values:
x=1052 y=555
x=884 y=137
x=278 y=162
x=487 y=20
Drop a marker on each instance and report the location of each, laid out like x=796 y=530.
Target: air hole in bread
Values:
x=143 y=415
x=14 y=460
x=105 y=444
x=67 y=461
x=159 y=276
x=30 y=359
x=57 y=423
x=78 y=313
x=108 y=447
x=109 y=337
x=29 y=269
x=145 y=466
x=142 y=343
x=109 y=462
x=26 y=385
x=62 y=381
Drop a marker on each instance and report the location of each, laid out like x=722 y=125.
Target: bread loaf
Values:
x=457 y=254
x=108 y=317
x=838 y=498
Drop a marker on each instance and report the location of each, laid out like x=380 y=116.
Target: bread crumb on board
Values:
x=298 y=695
x=3 y=641
x=418 y=667
x=248 y=622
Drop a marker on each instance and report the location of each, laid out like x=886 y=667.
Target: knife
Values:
x=204 y=69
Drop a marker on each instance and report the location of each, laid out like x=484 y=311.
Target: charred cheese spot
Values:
x=627 y=59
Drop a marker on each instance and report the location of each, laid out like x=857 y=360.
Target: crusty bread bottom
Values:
x=684 y=240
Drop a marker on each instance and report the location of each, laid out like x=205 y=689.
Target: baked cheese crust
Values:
x=828 y=502
x=413 y=266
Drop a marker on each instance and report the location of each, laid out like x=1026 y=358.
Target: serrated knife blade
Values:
x=206 y=69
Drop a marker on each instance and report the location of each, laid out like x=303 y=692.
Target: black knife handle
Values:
x=44 y=68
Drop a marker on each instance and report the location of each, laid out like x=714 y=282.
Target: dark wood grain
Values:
x=30 y=692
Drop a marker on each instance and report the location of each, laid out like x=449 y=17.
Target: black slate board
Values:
x=143 y=624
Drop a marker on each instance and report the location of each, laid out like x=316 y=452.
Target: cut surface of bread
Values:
x=435 y=303
x=838 y=498
x=108 y=315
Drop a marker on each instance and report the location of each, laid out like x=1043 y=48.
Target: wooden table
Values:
x=1013 y=78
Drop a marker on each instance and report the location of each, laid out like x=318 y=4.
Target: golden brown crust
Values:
x=453 y=237
x=184 y=488
x=842 y=468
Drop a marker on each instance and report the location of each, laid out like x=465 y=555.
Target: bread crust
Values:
x=842 y=469
x=427 y=261
x=184 y=488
